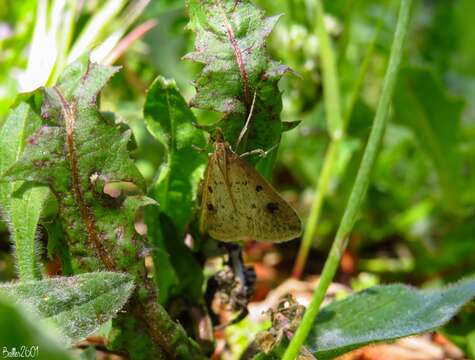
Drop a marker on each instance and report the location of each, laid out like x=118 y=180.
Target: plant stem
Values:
x=65 y=37
x=314 y=217
x=164 y=331
x=356 y=91
x=359 y=188
x=330 y=156
x=345 y=37
x=335 y=127
x=330 y=78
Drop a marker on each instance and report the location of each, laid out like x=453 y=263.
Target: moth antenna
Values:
x=248 y=120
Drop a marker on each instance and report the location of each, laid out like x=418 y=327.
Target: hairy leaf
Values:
x=57 y=246
x=230 y=43
x=128 y=333
x=21 y=211
x=77 y=305
x=423 y=105
x=384 y=313
x=21 y=332
x=76 y=152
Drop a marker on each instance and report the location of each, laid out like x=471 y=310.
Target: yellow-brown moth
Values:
x=239 y=204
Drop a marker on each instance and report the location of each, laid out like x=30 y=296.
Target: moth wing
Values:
x=262 y=213
x=218 y=208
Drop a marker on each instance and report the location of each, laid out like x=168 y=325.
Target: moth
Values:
x=239 y=204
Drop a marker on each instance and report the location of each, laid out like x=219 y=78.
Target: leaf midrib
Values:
x=238 y=55
x=68 y=111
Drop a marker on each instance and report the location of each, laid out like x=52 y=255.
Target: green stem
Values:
x=356 y=91
x=298 y=11
x=330 y=156
x=335 y=127
x=65 y=37
x=330 y=78
x=314 y=216
x=345 y=37
x=360 y=186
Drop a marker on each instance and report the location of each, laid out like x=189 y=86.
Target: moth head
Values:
x=218 y=135
x=220 y=145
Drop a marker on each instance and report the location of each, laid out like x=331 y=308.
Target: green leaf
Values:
x=231 y=44
x=21 y=331
x=77 y=305
x=127 y=336
x=76 y=152
x=165 y=276
x=169 y=119
x=471 y=343
x=384 y=313
x=422 y=104
x=88 y=354
x=264 y=356
x=21 y=212
x=176 y=271
x=57 y=245
x=289 y=125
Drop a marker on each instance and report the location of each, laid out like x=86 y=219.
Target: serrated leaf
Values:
x=21 y=212
x=384 y=313
x=169 y=119
x=22 y=335
x=77 y=305
x=423 y=105
x=76 y=152
x=230 y=43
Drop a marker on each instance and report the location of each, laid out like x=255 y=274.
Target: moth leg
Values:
x=198 y=149
x=259 y=152
x=248 y=120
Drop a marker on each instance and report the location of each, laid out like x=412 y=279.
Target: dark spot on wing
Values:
x=272 y=207
x=253 y=206
x=258 y=188
x=210 y=207
x=210 y=189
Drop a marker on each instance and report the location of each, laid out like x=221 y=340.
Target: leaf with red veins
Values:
x=231 y=44
x=76 y=153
